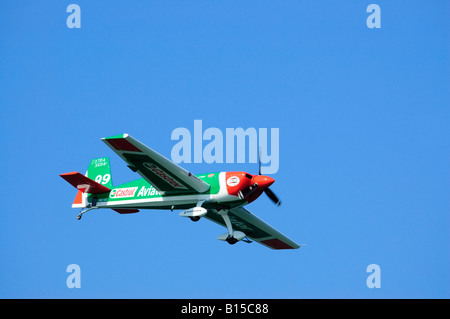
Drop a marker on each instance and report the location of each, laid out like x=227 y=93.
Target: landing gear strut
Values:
x=233 y=236
x=85 y=211
x=90 y=207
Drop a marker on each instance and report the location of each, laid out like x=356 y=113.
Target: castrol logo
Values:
x=123 y=192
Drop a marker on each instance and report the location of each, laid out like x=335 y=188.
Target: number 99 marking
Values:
x=103 y=179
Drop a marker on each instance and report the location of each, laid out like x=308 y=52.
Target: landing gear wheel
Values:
x=86 y=210
x=195 y=218
x=231 y=240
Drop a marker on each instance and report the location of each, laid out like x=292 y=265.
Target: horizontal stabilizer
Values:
x=84 y=184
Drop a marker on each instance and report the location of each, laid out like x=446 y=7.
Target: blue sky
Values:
x=363 y=116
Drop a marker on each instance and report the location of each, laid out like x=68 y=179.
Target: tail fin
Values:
x=97 y=180
x=100 y=171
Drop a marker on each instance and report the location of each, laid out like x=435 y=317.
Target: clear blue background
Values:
x=364 y=144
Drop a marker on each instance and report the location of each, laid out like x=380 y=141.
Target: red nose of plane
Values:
x=263 y=181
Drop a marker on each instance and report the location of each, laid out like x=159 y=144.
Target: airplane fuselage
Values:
x=226 y=189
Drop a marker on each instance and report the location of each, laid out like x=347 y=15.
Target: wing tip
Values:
x=124 y=135
x=121 y=142
x=68 y=174
x=276 y=243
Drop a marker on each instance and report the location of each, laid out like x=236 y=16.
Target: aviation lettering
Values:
x=239 y=224
x=160 y=173
x=147 y=191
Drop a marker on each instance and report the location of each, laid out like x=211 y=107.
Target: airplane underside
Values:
x=194 y=210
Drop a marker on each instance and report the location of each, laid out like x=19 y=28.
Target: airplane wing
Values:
x=164 y=175
x=255 y=228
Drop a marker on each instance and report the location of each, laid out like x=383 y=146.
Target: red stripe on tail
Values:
x=84 y=184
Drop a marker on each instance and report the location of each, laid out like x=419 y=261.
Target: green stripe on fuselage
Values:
x=141 y=189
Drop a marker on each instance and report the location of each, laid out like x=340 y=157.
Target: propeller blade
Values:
x=272 y=196
x=259 y=161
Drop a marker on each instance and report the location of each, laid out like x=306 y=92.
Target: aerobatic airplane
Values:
x=219 y=196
